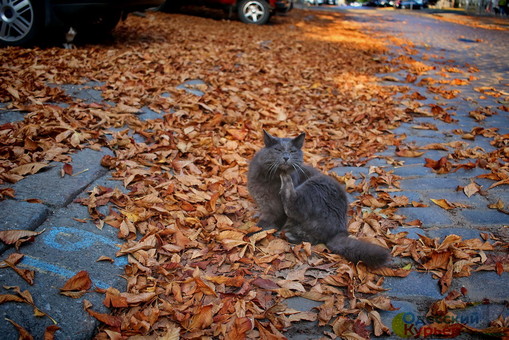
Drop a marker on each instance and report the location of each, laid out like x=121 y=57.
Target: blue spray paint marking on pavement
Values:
x=41 y=265
x=72 y=239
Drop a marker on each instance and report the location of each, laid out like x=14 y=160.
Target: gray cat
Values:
x=303 y=203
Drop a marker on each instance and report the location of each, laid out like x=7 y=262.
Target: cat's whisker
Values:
x=273 y=168
x=299 y=168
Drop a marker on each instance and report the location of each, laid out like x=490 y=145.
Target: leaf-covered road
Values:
x=186 y=213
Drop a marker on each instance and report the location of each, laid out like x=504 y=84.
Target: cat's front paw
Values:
x=286 y=180
x=287 y=235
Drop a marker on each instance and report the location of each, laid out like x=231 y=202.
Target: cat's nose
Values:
x=286 y=159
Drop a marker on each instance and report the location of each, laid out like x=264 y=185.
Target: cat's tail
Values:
x=356 y=250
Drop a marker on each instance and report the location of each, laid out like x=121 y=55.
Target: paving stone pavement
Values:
x=68 y=246
x=450 y=50
x=69 y=242
x=414 y=294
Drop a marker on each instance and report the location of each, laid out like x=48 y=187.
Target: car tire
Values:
x=171 y=6
x=20 y=21
x=106 y=22
x=99 y=26
x=254 y=12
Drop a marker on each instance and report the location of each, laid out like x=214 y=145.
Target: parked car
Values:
x=315 y=2
x=23 y=21
x=379 y=3
x=410 y=4
x=249 y=11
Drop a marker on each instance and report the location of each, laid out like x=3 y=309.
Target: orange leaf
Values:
x=49 y=334
x=205 y=288
x=80 y=281
x=10 y=298
x=499 y=268
x=17 y=237
x=134 y=298
x=202 y=319
x=240 y=327
x=23 y=333
x=28 y=169
x=443 y=203
x=238 y=134
x=114 y=299
x=446 y=279
x=110 y=320
x=409 y=153
x=442 y=166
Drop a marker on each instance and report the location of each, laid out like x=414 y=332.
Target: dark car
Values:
x=249 y=11
x=23 y=21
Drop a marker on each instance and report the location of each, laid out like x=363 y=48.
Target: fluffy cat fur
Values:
x=304 y=203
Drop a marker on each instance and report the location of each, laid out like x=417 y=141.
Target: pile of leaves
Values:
x=198 y=265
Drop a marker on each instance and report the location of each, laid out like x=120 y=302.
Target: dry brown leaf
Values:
x=446 y=279
x=79 y=282
x=445 y=204
x=409 y=153
x=17 y=237
x=66 y=170
x=110 y=320
x=10 y=298
x=471 y=189
x=201 y=319
x=22 y=332
x=28 y=169
x=49 y=333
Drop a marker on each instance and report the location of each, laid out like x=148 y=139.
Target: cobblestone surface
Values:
x=445 y=44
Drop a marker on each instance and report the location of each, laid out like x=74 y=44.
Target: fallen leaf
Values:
x=471 y=189
x=201 y=319
x=28 y=169
x=445 y=204
x=17 y=237
x=264 y=283
x=409 y=153
x=105 y=258
x=66 y=169
x=446 y=279
x=79 y=282
x=500 y=206
x=49 y=333
x=110 y=320
x=22 y=332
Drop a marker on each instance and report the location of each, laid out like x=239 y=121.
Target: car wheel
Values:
x=106 y=22
x=254 y=12
x=20 y=21
x=98 y=26
x=171 y=6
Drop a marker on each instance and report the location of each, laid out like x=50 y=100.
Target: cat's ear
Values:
x=268 y=139
x=298 y=141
